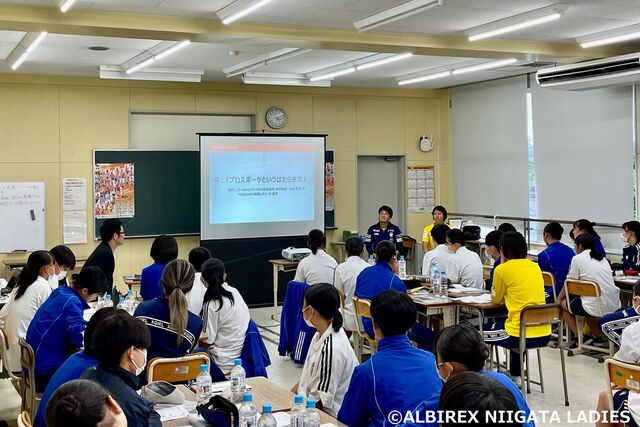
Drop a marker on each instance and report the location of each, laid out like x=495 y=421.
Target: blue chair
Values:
x=255 y=357
x=295 y=335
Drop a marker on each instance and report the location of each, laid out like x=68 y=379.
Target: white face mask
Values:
x=139 y=369
x=62 y=275
x=307 y=321
x=53 y=281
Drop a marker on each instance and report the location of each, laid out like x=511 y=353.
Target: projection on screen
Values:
x=261 y=186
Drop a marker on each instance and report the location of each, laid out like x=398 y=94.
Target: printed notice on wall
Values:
x=74 y=194
x=74 y=226
x=420 y=188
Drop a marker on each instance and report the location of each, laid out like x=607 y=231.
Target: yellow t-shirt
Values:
x=426 y=237
x=519 y=283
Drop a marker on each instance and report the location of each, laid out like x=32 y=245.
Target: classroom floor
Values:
x=584 y=374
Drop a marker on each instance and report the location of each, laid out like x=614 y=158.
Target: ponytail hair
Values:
x=78 y=402
x=587 y=241
x=213 y=273
x=30 y=271
x=324 y=299
x=463 y=344
x=316 y=240
x=177 y=279
x=586 y=225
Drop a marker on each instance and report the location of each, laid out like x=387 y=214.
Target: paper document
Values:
x=479 y=299
x=283 y=419
x=74 y=194
x=466 y=290
x=172 y=413
x=74 y=226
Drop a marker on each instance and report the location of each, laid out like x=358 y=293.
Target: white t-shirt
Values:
x=16 y=316
x=345 y=281
x=583 y=267
x=226 y=329
x=318 y=268
x=469 y=268
x=196 y=295
x=327 y=371
x=630 y=353
x=444 y=261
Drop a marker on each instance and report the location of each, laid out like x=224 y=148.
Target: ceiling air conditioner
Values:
x=614 y=71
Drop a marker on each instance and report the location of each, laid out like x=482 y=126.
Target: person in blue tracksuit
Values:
x=398 y=377
x=56 y=331
x=492 y=251
x=383 y=230
x=163 y=250
x=556 y=258
x=582 y=226
x=631 y=252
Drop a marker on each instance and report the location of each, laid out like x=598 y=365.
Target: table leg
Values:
x=275 y=291
x=449 y=315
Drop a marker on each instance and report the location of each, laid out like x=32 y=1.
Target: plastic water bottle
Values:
x=402 y=268
x=131 y=302
x=121 y=304
x=247 y=414
x=203 y=384
x=108 y=302
x=297 y=411
x=435 y=282
x=266 y=419
x=443 y=284
x=311 y=416
x=238 y=377
x=371 y=260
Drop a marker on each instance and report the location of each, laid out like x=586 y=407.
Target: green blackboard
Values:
x=167 y=191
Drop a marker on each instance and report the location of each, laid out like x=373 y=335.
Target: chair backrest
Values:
x=583 y=288
x=28 y=362
x=546 y=314
x=24 y=420
x=622 y=374
x=362 y=307
x=4 y=355
x=550 y=280
x=176 y=369
x=486 y=272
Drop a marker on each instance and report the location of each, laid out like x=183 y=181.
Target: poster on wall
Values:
x=114 y=195
x=329 y=187
x=420 y=188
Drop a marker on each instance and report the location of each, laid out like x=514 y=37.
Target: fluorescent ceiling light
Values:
x=158 y=56
x=618 y=35
x=36 y=39
x=333 y=74
x=384 y=61
x=66 y=5
x=36 y=42
x=20 y=60
x=156 y=74
x=282 y=80
x=485 y=66
x=228 y=18
x=517 y=22
x=399 y=12
x=425 y=78
x=261 y=61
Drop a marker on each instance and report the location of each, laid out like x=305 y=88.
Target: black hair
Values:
x=63 y=256
x=571 y=235
x=506 y=226
x=394 y=312
x=470 y=391
x=587 y=241
x=31 y=270
x=324 y=299
x=108 y=228
x=213 y=273
x=513 y=245
x=439 y=233
x=387 y=209
x=586 y=225
x=315 y=240
x=463 y=344
x=456 y=236
x=116 y=334
x=354 y=246
x=493 y=238
x=89 y=332
x=636 y=289
x=78 y=403
x=554 y=229
x=164 y=249
x=439 y=209
x=385 y=250
x=634 y=227
x=197 y=257
x=92 y=279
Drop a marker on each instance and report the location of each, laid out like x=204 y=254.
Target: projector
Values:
x=295 y=254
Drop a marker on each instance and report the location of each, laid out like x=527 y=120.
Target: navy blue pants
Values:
x=496 y=335
x=612 y=324
x=423 y=336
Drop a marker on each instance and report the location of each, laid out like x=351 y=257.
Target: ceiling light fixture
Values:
x=32 y=40
x=282 y=80
x=424 y=78
x=333 y=74
x=384 y=61
x=484 y=66
x=157 y=74
x=261 y=61
x=517 y=22
x=158 y=56
x=66 y=5
x=399 y=12
x=229 y=13
x=618 y=35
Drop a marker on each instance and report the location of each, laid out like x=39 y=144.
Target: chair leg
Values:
x=540 y=370
x=564 y=369
x=491 y=348
x=527 y=371
x=357 y=346
x=522 y=371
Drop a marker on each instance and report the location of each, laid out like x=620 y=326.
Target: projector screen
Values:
x=261 y=185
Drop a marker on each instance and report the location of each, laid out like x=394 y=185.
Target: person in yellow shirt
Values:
x=518 y=283
x=439 y=214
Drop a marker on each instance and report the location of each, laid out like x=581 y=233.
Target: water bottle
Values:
x=130 y=302
x=443 y=284
x=402 y=268
x=121 y=304
x=371 y=260
x=266 y=419
x=435 y=282
x=247 y=414
x=203 y=384
x=108 y=302
x=297 y=411
x=311 y=417
x=238 y=376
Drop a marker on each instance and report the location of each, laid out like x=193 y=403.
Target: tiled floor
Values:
x=585 y=375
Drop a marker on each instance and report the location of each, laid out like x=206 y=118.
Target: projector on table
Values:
x=295 y=254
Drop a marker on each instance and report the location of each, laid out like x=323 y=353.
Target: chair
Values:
x=255 y=357
x=24 y=420
x=585 y=288
x=486 y=272
x=536 y=315
x=623 y=375
x=176 y=369
x=15 y=377
x=550 y=280
x=30 y=397
x=362 y=308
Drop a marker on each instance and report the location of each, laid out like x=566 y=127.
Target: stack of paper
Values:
x=479 y=299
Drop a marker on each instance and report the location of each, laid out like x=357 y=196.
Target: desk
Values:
x=12 y=264
x=280 y=265
x=431 y=305
x=131 y=282
x=480 y=309
x=340 y=249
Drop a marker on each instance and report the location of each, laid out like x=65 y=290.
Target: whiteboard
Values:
x=22 y=213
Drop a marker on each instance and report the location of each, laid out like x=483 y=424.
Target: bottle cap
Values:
x=266 y=408
x=107 y=297
x=299 y=399
x=311 y=403
x=121 y=299
x=248 y=397
x=203 y=367
x=237 y=362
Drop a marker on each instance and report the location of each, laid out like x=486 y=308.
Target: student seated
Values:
x=468 y=262
x=197 y=257
x=25 y=299
x=121 y=352
x=75 y=365
x=439 y=214
x=226 y=317
x=517 y=283
x=556 y=258
x=440 y=255
x=318 y=267
x=163 y=250
x=84 y=403
x=330 y=360
x=174 y=329
x=630 y=253
x=506 y=227
x=492 y=252
x=345 y=279
x=398 y=377
x=584 y=226
x=63 y=261
x=590 y=265
x=459 y=348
